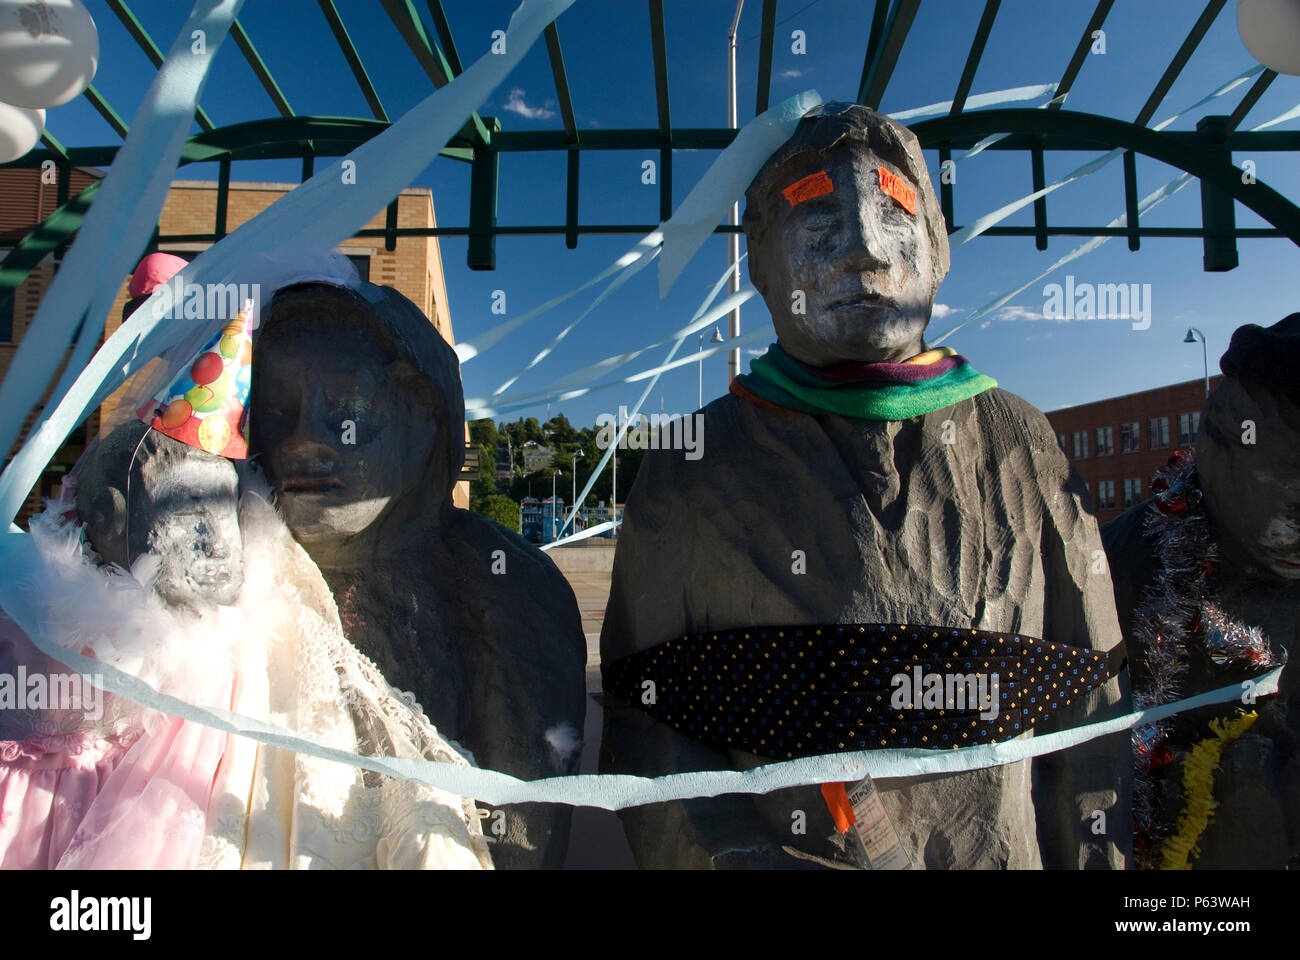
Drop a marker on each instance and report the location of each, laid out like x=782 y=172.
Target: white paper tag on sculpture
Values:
x=873 y=833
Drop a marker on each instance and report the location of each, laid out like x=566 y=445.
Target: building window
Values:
x=1132 y=490
x=1130 y=440
x=1158 y=432
x=1060 y=439
x=1105 y=441
x=1080 y=444
x=1188 y=424
x=362 y=263
x=1105 y=494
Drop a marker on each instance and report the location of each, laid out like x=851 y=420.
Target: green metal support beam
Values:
x=1218 y=215
x=430 y=58
x=411 y=27
x=766 y=42
x=1205 y=155
x=51 y=142
x=223 y=196
x=241 y=38
x=145 y=43
x=659 y=48
x=1193 y=40
x=353 y=58
x=444 y=37
x=1080 y=52
x=1131 y=200
x=638 y=229
x=879 y=19
x=485 y=175
x=881 y=70
x=571 y=200
x=561 y=77
x=976 y=53
x=105 y=110
x=1040 y=204
x=1262 y=83
x=52 y=233
x=280 y=138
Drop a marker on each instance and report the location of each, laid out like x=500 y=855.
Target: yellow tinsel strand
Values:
x=1198 y=787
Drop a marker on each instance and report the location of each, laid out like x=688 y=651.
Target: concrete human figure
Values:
x=857 y=481
x=1207 y=585
x=357 y=415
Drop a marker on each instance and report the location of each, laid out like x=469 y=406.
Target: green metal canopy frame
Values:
x=1205 y=153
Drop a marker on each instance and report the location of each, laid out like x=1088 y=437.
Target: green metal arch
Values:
x=1207 y=164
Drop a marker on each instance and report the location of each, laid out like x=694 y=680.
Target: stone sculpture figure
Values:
x=823 y=501
x=357 y=415
x=1230 y=513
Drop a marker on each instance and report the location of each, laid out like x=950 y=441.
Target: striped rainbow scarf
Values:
x=868 y=391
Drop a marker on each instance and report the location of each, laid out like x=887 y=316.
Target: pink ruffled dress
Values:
x=79 y=791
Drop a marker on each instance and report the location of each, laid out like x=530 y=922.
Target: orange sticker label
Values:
x=837 y=801
x=814 y=185
x=897 y=188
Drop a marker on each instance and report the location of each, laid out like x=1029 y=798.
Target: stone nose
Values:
x=863 y=244
x=314 y=433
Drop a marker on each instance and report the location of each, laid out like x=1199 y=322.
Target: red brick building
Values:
x=1117 y=444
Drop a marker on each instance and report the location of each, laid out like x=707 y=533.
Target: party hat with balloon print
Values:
x=206 y=404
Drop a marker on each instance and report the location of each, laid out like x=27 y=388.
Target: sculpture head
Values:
x=139 y=492
x=351 y=411
x=847 y=271
x=1252 y=489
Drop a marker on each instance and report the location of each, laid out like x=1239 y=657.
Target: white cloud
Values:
x=1015 y=312
x=942 y=310
x=789 y=74
x=755 y=353
x=515 y=104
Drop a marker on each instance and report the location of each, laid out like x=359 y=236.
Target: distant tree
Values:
x=560 y=430
x=503 y=510
x=564 y=439
x=484 y=435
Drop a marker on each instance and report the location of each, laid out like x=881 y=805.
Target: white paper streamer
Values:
x=115 y=230
x=609 y=792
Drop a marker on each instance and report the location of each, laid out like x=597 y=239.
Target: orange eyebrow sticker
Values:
x=897 y=188
x=814 y=185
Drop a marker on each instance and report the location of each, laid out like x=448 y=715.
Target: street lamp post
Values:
x=576 y=455
x=1193 y=335
x=554 y=474
x=716 y=338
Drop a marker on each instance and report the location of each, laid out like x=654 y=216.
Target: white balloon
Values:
x=1270 y=29
x=49 y=50
x=20 y=129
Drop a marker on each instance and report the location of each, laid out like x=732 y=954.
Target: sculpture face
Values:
x=863 y=263
x=339 y=425
x=187 y=514
x=1252 y=490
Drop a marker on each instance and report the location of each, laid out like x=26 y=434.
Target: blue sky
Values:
x=608 y=57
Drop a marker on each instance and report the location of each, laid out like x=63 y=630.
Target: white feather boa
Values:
x=283 y=644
